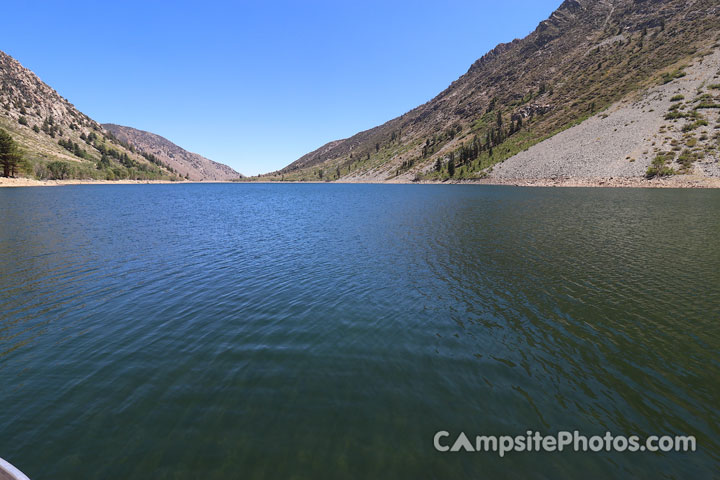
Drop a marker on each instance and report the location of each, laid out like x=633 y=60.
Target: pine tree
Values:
x=10 y=157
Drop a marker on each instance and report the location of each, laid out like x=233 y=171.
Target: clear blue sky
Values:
x=256 y=85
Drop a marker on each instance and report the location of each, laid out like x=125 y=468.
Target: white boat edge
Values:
x=15 y=474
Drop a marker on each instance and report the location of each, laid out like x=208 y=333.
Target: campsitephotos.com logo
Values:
x=562 y=441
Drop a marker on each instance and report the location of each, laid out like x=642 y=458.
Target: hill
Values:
x=60 y=142
x=192 y=165
x=587 y=59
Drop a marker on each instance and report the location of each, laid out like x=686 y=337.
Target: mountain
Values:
x=60 y=142
x=195 y=166
x=586 y=61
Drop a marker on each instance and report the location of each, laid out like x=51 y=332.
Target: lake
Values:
x=328 y=331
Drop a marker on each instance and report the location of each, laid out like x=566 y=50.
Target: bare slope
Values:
x=624 y=140
x=195 y=166
x=588 y=55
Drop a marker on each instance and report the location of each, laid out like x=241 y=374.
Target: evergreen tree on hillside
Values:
x=10 y=157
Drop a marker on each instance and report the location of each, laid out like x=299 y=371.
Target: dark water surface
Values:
x=328 y=331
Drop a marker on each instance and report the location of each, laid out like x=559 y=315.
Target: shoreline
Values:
x=676 y=181
x=31 y=182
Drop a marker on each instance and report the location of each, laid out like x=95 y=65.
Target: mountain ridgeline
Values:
x=59 y=142
x=586 y=57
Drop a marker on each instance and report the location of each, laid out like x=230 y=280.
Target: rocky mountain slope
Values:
x=192 y=165
x=588 y=56
x=675 y=126
x=60 y=142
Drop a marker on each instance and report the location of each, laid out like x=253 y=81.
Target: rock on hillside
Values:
x=195 y=166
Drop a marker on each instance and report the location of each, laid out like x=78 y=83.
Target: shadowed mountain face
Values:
x=60 y=142
x=585 y=57
x=195 y=166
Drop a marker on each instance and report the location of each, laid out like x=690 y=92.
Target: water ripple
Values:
x=329 y=330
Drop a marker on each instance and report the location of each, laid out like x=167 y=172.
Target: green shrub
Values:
x=659 y=167
x=686 y=159
x=653 y=172
x=688 y=127
x=674 y=115
x=58 y=170
x=668 y=77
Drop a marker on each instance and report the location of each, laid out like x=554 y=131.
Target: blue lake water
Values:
x=328 y=331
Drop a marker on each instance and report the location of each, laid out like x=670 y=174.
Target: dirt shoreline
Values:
x=676 y=181
x=31 y=182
